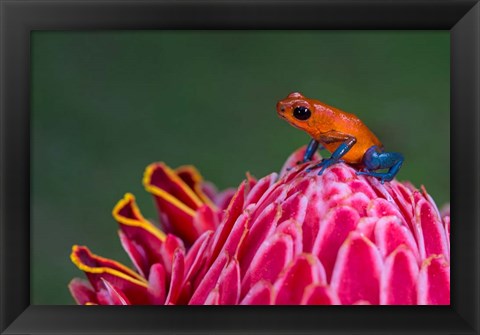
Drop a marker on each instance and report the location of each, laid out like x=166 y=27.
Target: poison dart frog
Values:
x=343 y=134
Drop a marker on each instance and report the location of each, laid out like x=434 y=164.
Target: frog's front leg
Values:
x=375 y=159
x=347 y=143
x=311 y=148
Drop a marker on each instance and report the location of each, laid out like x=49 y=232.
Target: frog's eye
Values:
x=301 y=113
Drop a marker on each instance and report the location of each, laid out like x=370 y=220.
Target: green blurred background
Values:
x=106 y=104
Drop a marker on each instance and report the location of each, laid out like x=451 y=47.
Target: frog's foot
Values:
x=375 y=159
x=382 y=176
x=324 y=164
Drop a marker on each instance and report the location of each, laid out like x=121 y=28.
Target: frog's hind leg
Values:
x=375 y=159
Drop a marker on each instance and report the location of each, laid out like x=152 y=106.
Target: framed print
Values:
x=301 y=154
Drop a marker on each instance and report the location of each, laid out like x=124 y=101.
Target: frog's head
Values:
x=297 y=110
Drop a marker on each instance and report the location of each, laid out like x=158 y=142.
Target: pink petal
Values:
x=205 y=219
x=272 y=257
x=294 y=229
x=260 y=294
x=294 y=207
x=261 y=228
x=260 y=188
x=359 y=202
x=334 y=229
x=157 y=284
x=315 y=209
x=404 y=199
x=366 y=226
x=82 y=291
x=390 y=233
x=356 y=274
x=136 y=253
x=196 y=256
x=113 y=295
x=446 y=220
x=335 y=193
x=433 y=233
x=213 y=298
x=168 y=249
x=304 y=271
x=178 y=271
x=361 y=186
x=342 y=172
x=317 y=294
x=399 y=278
x=361 y=303
x=380 y=208
x=209 y=281
x=237 y=235
x=434 y=282
x=277 y=195
x=234 y=209
x=229 y=284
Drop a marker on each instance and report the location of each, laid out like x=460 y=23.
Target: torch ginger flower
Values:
x=296 y=238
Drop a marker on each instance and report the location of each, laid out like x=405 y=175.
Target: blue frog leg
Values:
x=375 y=159
x=347 y=143
x=312 y=147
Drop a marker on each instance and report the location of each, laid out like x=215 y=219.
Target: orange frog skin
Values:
x=341 y=133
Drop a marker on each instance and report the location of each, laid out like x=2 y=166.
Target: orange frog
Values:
x=341 y=133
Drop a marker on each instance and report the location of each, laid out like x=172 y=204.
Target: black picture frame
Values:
x=19 y=18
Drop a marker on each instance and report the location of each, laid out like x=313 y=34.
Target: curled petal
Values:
x=190 y=175
x=434 y=281
x=356 y=274
x=141 y=239
x=174 y=198
x=129 y=282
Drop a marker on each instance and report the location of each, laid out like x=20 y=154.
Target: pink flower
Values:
x=297 y=238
